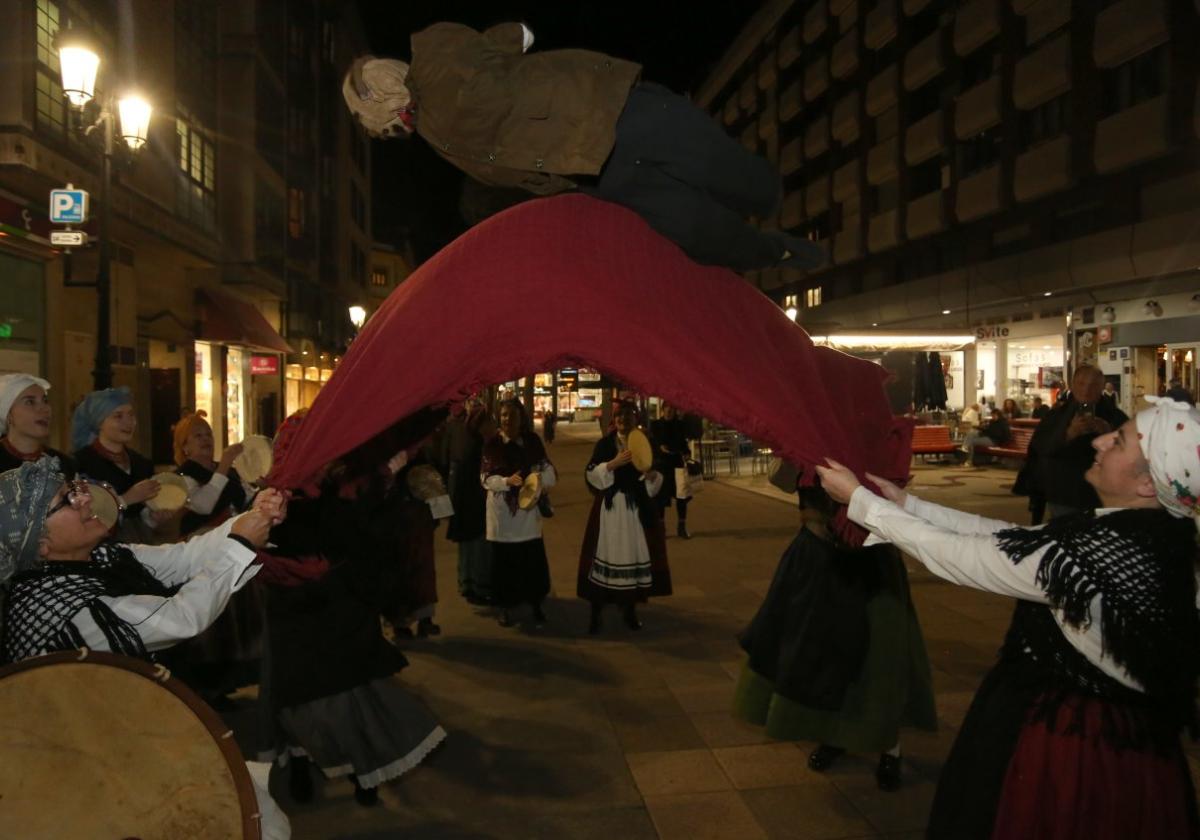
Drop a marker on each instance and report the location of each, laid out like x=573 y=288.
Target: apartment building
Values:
x=1020 y=171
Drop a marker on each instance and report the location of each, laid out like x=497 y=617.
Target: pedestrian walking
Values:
x=671 y=453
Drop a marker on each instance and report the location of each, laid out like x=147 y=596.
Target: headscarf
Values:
x=384 y=101
x=96 y=406
x=181 y=431
x=1169 y=435
x=25 y=496
x=11 y=386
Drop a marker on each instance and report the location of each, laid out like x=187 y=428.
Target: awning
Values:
x=866 y=341
x=225 y=319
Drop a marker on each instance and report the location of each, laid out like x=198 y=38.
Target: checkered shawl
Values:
x=1139 y=563
x=44 y=601
x=25 y=496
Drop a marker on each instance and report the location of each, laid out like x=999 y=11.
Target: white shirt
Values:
x=202 y=498
x=210 y=567
x=502 y=524
x=961 y=548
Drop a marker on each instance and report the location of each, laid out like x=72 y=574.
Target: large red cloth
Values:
x=574 y=281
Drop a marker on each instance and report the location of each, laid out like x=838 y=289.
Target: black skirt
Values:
x=520 y=572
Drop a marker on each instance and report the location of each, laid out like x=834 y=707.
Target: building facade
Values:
x=231 y=229
x=1024 y=170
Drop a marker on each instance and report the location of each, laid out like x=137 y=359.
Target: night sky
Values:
x=678 y=43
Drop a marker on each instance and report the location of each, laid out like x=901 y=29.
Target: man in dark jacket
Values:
x=544 y=121
x=1060 y=451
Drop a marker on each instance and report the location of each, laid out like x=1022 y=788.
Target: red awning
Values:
x=226 y=319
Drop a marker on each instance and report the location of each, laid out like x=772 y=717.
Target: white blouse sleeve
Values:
x=655 y=484
x=549 y=475
x=968 y=559
x=953 y=520
x=202 y=498
x=600 y=476
x=494 y=483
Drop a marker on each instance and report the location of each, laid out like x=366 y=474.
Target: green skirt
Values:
x=893 y=690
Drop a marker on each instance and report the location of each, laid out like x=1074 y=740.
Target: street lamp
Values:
x=79 y=64
x=358 y=316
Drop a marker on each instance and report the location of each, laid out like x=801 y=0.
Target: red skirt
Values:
x=1065 y=785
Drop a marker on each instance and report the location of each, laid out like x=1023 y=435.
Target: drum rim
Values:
x=251 y=828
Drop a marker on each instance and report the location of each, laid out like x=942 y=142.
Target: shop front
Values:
x=1021 y=360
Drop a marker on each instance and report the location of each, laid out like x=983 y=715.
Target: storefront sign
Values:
x=991 y=332
x=264 y=365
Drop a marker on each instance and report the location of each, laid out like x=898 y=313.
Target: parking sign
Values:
x=68 y=207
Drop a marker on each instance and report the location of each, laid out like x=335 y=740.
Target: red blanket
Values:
x=573 y=281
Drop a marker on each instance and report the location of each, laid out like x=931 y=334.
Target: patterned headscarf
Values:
x=181 y=431
x=11 y=386
x=1169 y=435
x=25 y=496
x=96 y=406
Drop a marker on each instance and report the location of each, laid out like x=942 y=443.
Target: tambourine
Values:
x=425 y=482
x=256 y=459
x=640 y=449
x=172 y=492
x=530 y=490
x=106 y=502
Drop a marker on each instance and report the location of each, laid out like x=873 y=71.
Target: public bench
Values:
x=1018 y=447
x=932 y=440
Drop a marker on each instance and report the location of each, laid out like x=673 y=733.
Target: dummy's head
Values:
x=376 y=92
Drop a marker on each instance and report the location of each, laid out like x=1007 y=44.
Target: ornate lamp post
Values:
x=128 y=118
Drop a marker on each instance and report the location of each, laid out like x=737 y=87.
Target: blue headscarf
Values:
x=96 y=406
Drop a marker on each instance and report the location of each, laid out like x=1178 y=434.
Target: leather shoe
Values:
x=683 y=531
x=631 y=619
x=887 y=774
x=823 y=757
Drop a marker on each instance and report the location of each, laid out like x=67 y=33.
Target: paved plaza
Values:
x=557 y=734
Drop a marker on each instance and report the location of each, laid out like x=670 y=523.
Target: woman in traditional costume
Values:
x=835 y=652
x=102 y=428
x=329 y=672
x=25 y=417
x=623 y=560
x=520 y=571
x=215 y=490
x=1075 y=731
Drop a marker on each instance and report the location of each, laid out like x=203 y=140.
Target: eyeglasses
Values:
x=77 y=493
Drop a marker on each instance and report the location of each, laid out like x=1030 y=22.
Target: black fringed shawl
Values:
x=1141 y=564
x=627 y=481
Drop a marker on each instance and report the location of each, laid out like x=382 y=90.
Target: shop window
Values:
x=379 y=277
x=1045 y=122
x=1143 y=78
x=924 y=100
x=884 y=197
x=197 y=174
x=927 y=177
x=978 y=152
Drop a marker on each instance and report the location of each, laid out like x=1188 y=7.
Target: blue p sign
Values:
x=68 y=207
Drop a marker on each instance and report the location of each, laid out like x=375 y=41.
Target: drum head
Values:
x=639 y=447
x=172 y=492
x=100 y=748
x=256 y=459
x=104 y=503
x=528 y=496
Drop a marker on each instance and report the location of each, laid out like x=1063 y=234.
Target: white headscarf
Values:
x=1169 y=435
x=11 y=386
x=385 y=99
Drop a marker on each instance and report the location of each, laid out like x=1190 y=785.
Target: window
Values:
x=884 y=197
x=924 y=101
x=812 y=297
x=358 y=207
x=50 y=110
x=887 y=124
x=195 y=195
x=270 y=120
x=924 y=23
x=818 y=228
x=297 y=212
x=1045 y=122
x=1143 y=78
x=927 y=177
x=268 y=227
x=379 y=276
x=358 y=264
x=979 y=152
x=979 y=66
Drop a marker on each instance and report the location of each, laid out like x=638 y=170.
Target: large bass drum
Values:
x=98 y=745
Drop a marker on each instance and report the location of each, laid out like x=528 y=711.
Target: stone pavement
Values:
x=557 y=734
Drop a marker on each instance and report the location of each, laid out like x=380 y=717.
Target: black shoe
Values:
x=300 y=784
x=426 y=627
x=631 y=619
x=887 y=774
x=505 y=619
x=683 y=531
x=594 y=624
x=823 y=756
x=365 y=797
x=539 y=617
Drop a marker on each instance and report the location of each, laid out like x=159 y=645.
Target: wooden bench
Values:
x=932 y=440
x=1018 y=447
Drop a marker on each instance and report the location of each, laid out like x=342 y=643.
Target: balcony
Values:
x=768 y=71
x=816 y=78
x=791 y=101
x=815 y=23
x=926 y=215
x=816 y=138
x=846 y=125
x=1043 y=169
x=883 y=231
x=789 y=48
x=883 y=91
x=848 y=245
x=925 y=138
x=791 y=156
x=844 y=60
x=977 y=109
x=882 y=25
x=1127 y=29
x=1044 y=17
x=1044 y=74
x=976 y=23
x=847 y=182
x=816 y=197
x=883 y=161
x=979 y=195
x=1133 y=135
x=791 y=213
x=924 y=62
